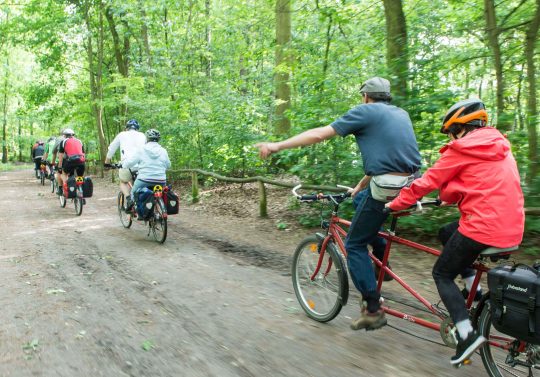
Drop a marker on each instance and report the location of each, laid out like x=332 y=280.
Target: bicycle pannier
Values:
x=171 y=202
x=88 y=187
x=386 y=187
x=515 y=301
x=70 y=188
x=145 y=203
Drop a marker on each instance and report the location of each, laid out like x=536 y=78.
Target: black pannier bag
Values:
x=87 y=187
x=145 y=203
x=515 y=301
x=71 y=190
x=171 y=202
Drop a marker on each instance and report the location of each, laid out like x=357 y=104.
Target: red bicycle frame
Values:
x=336 y=233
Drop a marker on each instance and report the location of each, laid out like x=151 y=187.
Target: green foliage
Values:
x=204 y=77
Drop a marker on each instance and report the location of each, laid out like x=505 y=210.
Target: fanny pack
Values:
x=77 y=158
x=386 y=187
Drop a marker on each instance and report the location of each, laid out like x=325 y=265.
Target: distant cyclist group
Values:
x=476 y=171
x=140 y=155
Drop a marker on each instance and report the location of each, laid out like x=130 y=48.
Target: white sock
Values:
x=464 y=328
x=469 y=282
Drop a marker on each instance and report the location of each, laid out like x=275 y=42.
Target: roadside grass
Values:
x=11 y=166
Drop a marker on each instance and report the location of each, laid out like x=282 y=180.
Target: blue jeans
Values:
x=365 y=225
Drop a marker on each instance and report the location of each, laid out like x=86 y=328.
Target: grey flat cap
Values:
x=376 y=85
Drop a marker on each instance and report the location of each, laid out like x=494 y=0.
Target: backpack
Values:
x=515 y=301
x=171 y=201
x=73 y=150
x=145 y=203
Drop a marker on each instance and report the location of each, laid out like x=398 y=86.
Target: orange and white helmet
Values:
x=469 y=111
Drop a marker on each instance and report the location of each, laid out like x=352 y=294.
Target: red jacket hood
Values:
x=486 y=143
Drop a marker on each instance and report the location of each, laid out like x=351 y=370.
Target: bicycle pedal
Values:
x=464 y=362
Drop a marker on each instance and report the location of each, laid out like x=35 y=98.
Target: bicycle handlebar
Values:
x=418 y=207
x=112 y=166
x=315 y=197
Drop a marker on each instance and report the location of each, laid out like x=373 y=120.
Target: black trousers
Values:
x=459 y=253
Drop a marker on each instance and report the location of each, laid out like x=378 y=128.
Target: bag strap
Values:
x=532 y=309
x=498 y=296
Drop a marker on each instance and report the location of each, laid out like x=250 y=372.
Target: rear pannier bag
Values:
x=515 y=301
x=171 y=202
x=87 y=187
x=70 y=188
x=145 y=203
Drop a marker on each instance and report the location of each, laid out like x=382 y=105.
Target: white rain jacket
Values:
x=153 y=162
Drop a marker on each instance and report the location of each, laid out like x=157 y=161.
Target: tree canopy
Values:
x=215 y=76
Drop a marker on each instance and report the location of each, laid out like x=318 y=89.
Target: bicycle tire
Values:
x=494 y=358
x=42 y=178
x=322 y=297
x=158 y=221
x=53 y=185
x=62 y=200
x=78 y=205
x=125 y=218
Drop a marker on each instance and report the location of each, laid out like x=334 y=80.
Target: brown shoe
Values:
x=377 y=270
x=369 y=321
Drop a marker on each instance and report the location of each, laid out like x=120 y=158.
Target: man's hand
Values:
x=266 y=149
x=364 y=182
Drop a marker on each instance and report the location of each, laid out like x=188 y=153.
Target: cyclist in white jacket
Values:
x=153 y=162
x=129 y=141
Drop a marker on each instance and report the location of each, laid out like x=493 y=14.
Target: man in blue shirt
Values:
x=386 y=140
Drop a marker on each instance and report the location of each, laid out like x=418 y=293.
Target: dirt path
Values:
x=81 y=296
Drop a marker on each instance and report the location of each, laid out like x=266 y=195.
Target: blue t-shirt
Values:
x=385 y=136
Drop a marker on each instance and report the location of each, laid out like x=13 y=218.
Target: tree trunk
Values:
x=96 y=79
x=282 y=124
x=493 y=32
x=329 y=35
x=120 y=55
x=397 y=58
x=144 y=34
x=207 y=60
x=532 y=110
x=5 y=108
x=19 y=132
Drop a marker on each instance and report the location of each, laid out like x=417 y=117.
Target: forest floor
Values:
x=82 y=296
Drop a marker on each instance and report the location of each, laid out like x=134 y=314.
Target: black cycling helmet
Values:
x=152 y=135
x=467 y=112
x=132 y=124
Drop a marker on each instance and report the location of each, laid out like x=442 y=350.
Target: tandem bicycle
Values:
x=321 y=285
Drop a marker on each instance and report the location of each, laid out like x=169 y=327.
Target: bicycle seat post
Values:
x=393 y=225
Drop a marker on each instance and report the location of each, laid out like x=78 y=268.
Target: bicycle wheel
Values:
x=53 y=185
x=78 y=205
x=42 y=177
x=511 y=357
x=125 y=218
x=62 y=200
x=158 y=221
x=322 y=295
